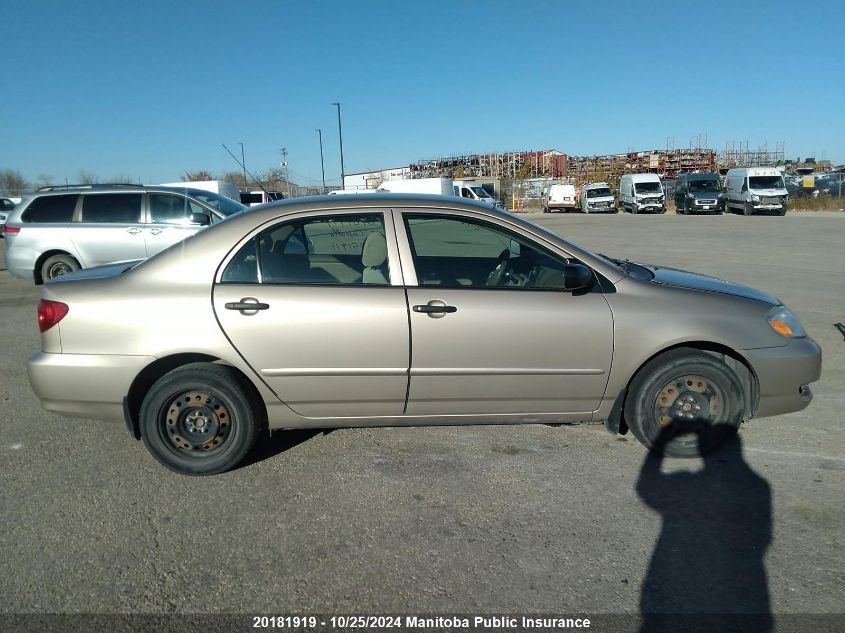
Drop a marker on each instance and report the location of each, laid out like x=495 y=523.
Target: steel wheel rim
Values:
x=689 y=401
x=58 y=269
x=196 y=423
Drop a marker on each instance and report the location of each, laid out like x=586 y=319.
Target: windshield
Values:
x=225 y=206
x=480 y=192
x=704 y=185
x=765 y=182
x=648 y=187
x=599 y=192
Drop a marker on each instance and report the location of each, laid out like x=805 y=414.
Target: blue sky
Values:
x=151 y=89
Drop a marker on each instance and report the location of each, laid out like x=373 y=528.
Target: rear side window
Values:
x=45 y=209
x=123 y=208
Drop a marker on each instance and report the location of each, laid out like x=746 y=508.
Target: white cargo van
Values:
x=755 y=189
x=642 y=193
x=559 y=198
x=223 y=187
x=597 y=197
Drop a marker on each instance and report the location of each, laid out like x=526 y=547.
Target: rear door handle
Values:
x=435 y=309
x=134 y=230
x=250 y=304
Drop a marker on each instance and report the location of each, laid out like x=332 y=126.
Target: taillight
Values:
x=50 y=313
x=11 y=230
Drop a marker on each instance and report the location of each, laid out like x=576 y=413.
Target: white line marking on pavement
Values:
x=16 y=446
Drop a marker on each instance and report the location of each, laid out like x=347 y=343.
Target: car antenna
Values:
x=257 y=182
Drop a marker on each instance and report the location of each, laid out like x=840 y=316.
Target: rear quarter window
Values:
x=51 y=209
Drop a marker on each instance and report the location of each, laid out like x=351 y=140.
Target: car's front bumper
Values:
x=84 y=385
x=783 y=375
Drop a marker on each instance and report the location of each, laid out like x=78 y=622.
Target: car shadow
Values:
x=278 y=442
x=707 y=571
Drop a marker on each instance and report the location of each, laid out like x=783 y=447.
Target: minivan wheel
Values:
x=686 y=401
x=58 y=265
x=200 y=420
x=747 y=209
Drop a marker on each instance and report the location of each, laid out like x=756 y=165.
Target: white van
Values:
x=474 y=191
x=753 y=189
x=560 y=198
x=222 y=187
x=597 y=197
x=642 y=193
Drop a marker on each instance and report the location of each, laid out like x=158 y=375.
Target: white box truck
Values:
x=433 y=186
x=223 y=187
x=642 y=193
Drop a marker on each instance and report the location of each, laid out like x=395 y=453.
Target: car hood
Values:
x=97 y=272
x=695 y=281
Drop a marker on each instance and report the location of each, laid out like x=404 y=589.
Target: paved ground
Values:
x=451 y=520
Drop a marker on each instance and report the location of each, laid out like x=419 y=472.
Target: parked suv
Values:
x=59 y=230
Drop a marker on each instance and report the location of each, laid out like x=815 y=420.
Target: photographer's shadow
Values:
x=707 y=571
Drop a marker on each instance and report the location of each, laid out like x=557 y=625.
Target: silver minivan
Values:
x=59 y=230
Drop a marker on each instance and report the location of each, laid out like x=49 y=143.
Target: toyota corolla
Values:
x=390 y=310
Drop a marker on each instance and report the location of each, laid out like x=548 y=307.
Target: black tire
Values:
x=782 y=211
x=685 y=381
x=200 y=419
x=747 y=209
x=58 y=265
x=633 y=209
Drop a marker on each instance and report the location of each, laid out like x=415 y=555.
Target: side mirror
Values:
x=577 y=277
x=200 y=218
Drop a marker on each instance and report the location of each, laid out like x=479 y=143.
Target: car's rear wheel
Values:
x=200 y=420
x=58 y=265
x=684 y=403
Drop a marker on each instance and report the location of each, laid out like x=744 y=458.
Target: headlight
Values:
x=782 y=320
x=755 y=198
x=690 y=196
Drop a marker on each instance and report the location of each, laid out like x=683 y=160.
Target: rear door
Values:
x=329 y=333
x=109 y=228
x=491 y=329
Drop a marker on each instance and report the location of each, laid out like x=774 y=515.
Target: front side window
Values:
x=117 y=208
x=47 y=209
x=462 y=253
x=337 y=249
x=166 y=208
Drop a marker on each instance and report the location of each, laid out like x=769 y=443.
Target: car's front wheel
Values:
x=684 y=403
x=200 y=420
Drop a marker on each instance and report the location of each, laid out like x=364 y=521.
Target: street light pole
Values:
x=322 y=165
x=340 y=134
x=243 y=164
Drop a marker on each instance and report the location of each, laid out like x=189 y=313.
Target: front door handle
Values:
x=435 y=308
x=156 y=231
x=247 y=304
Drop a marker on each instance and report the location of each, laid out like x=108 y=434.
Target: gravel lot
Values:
x=531 y=519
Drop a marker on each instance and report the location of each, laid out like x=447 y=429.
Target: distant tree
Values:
x=199 y=174
x=43 y=180
x=12 y=183
x=238 y=178
x=86 y=177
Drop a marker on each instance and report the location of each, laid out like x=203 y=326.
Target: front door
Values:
x=329 y=331
x=170 y=220
x=491 y=329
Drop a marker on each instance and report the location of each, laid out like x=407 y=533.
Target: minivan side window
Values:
x=168 y=208
x=46 y=209
x=118 y=208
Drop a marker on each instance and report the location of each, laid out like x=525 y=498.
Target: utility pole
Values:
x=322 y=166
x=340 y=134
x=285 y=165
x=243 y=164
